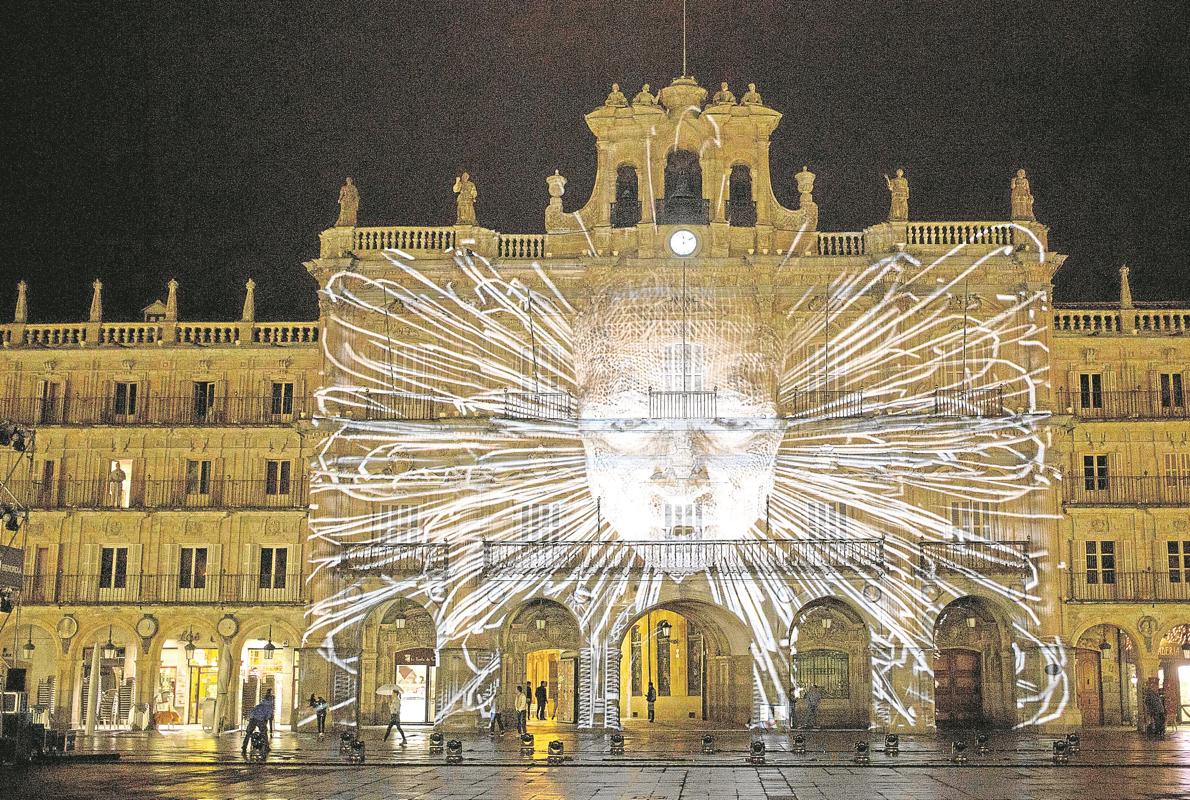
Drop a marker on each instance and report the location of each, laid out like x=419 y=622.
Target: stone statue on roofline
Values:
x=723 y=97
x=751 y=97
x=644 y=97
x=348 y=205
x=467 y=194
x=616 y=98
x=898 y=189
x=805 y=187
x=1022 y=197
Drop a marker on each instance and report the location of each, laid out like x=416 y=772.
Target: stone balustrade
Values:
x=131 y=334
x=521 y=245
x=1082 y=321
x=848 y=243
x=949 y=234
x=285 y=332
x=409 y=239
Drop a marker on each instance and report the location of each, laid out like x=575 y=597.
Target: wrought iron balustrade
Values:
x=824 y=404
x=980 y=557
x=1125 y=404
x=683 y=404
x=1128 y=490
x=1110 y=586
x=400 y=407
x=75 y=409
x=396 y=558
x=982 y=402
x=538 y=405
x=177 y=494
x=131 y=588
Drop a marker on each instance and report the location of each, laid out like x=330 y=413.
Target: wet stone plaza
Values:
x=658 y=764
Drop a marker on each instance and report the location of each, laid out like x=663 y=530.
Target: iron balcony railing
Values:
x=77 y=409
x=759 y=557
x=1125 y=404
x=987 y=558
x=152 y=589
x=163 y=494
x=538 y=405
x=399 y=559
x=1128 y=490
x=683 y=211
x=683 y=404
x=402 y=407
x=984 y=402
x=833 y=404
x=1110 y=586
x=625 y=213
x=824 y=404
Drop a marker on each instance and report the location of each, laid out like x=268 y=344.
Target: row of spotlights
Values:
x=13 y=436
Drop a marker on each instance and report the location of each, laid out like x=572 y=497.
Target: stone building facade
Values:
x=682 y=438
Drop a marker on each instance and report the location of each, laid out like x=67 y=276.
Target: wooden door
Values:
x=1089 y=685
x=567 y=669
x=958 y=687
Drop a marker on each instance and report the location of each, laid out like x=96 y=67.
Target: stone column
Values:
x=611 y=687
x=92 y=709
x=223 y=699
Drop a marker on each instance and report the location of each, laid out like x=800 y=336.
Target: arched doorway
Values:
x=1173 y=677
x=35 y=670
x=741 y=208
x=187 y=680
x=972 y=666
x=1106 y=676
x=830 y=653
x=542 y=644
x=268 y=666
x=683 y=190
x=108 y=660
x=406 y=647
x=626 y=206
x=696 y=657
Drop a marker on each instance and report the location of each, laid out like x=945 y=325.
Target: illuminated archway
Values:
x=696 y=656
x=116 y=673
x=1174 y=673
x=1106 y=677
x=541 y=644
x=973 y=666
x=402 y=649
x=830 y=652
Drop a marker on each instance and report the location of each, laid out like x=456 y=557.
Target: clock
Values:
x=146 y=626
x=67 y=627
x=228 y=626
x=683 y=242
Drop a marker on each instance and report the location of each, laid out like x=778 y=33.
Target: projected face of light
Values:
x=677 y=418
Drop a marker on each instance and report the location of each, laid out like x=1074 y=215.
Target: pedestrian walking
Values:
x=494 y=719
x=542 y=697
x=813 y=698
x=258 y=719
x=320 y=708
x=522 y=713
x=651 y=699
x=529 y=699
x=394 y=716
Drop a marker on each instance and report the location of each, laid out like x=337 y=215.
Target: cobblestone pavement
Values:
x=658 y=764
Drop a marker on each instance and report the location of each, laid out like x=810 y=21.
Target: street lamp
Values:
x=190 y=649
x=109 y=649
x=269 y=647
x=400 y=622
x=29 y=646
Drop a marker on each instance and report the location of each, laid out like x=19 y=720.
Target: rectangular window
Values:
x=198 y=477
x=664 y=679
x=1090 y=390
x=683 y=520
x=124 y=402
x=635 y=663
x=541 y=520
x=282 y=400
x=1178 y=554
x=273 y=562
x=397 y=521
x=694 y=657
x=1101 y=562
x=1172 y=396
x=204 y=400
x=192 y=568
x=826 y=669
x=972 y=519
x=684 y=368
x=825 y=519
x=49 y=402
x=1095 y=473
x=113 y=568
x=276 y=477
x=1176 y=469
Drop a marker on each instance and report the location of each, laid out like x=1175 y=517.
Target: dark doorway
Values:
x=958 y=687
x=683 y=203
x=626 y=208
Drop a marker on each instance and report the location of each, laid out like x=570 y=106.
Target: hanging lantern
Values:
x=29 y=646
x=663 y=629
x=190 y=648
x=109 y=649
x=1186 y=642
x=269 y=647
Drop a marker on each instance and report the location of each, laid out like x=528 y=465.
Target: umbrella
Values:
x=388 y=688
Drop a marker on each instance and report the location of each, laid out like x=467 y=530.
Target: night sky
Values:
x=144 y=140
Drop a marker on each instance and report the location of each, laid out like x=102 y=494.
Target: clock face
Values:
x=683 y=243
x=146 y=627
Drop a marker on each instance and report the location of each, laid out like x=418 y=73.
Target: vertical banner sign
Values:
x=12 y=560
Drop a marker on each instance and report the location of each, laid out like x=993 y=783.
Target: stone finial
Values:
x=1125 y=288
x=616 y=98
x=1021 y=197
x=21 y=314
x=751 y=97
x=96 y=314
x=348 y=205
x=898 y=189
x=249 y=314
x=171 y=302
x=644 y=97
x=805 y=186
x=557 y=184
x=465 y=202
x=723 y=97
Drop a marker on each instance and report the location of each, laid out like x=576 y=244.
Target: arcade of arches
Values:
x=831 y=651
x=400 y=649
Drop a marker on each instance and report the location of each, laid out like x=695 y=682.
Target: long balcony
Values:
x=160 y=589
x=538 y=405
x=1130 y=587
x=831 y=404
x=102 y=410
x=512 y=560
x=984 y=558
x=164 y=494
x=1124 y=404
x=401 y=559
x=1128 y=490
x=1092 y=319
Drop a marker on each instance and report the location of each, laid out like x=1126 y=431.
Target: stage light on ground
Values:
x=708 y=744
x=756 y=753
x=892 y=744
x=862 y=754
x=437 y=743
x=1061 y=752
x=355 y=753
x=981 y=741
x=617 y=744
x=527 y=747
x=958 y=752
x=799 y=744
x=1073 y=741
x=454 y=751
x=555 y=752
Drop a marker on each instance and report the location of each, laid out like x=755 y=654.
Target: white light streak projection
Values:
x=845 y=419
